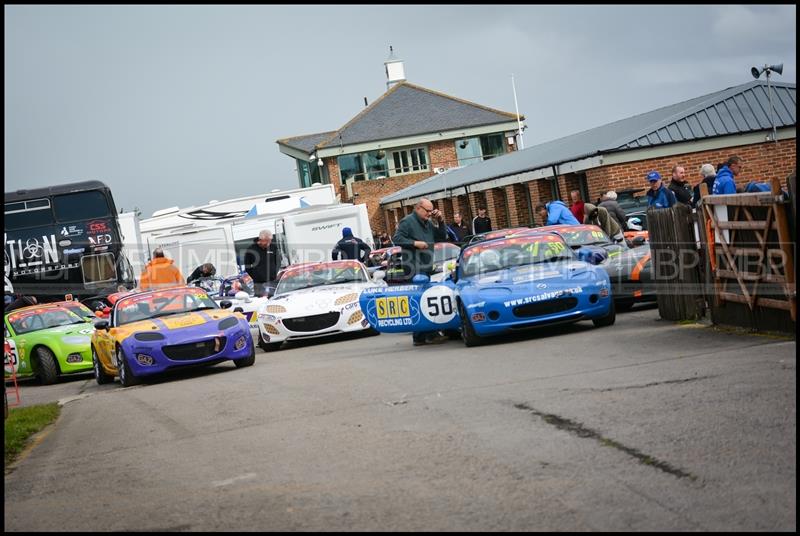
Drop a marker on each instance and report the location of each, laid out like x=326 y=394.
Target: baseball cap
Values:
x=653 y=176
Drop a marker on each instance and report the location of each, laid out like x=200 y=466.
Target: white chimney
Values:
x=395 y=72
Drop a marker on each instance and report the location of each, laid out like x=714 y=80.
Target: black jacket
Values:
x=460 y=230
x=263 y=265
x=350 y=248
x=481 y=225
x=682 y=191
x=710 y=182
x=412 y=260
x=198 y=273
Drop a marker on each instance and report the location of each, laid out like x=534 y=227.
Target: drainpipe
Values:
x=555 y=182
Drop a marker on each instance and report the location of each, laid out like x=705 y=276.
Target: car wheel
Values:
x=48 y=367
x=468 y=334
x=126 y=377
x=99 y=374
x=247 y=361
x=264 y=345
x=607 y=320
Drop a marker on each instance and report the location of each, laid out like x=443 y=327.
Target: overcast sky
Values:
x=177 y=105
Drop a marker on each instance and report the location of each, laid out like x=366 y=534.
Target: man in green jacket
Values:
x=416 y=235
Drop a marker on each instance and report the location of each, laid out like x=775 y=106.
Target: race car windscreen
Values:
x=317 y=275
x=585 y=237
x=41 y=318
x=162 y=303
x=79 y=309
x=512 y=252
x=445 y=252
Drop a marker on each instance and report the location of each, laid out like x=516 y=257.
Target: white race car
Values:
x=315 y=300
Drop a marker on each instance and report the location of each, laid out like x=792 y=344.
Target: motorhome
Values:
x=216 y=212
x=303 y=235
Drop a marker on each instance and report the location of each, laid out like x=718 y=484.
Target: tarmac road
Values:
x=644 y=425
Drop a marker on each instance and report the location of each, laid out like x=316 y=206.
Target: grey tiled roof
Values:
x=308 y=142
x=735 y=110
x=405 y=110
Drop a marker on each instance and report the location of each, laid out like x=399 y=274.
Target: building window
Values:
x=409 y=161
x=492 y=145
x=311 y=172
x=351 y=166
x=478 y=148
x=376 y=165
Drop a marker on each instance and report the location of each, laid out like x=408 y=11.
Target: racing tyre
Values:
x=247 y=361
x=267 y=346
x=126 y=377
x=607 y=320
x=48 y=368
x=468 y=334
x=99 y=374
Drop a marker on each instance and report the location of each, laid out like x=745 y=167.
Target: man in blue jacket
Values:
x=658 y=195
x=725 y=183
x=556 y=213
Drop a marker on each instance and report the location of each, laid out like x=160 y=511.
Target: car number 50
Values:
x=438 y=304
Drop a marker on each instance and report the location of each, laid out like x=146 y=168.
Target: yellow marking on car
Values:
x=183 y=321
x=392 y=307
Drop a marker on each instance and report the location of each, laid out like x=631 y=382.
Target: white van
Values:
x=306 y=235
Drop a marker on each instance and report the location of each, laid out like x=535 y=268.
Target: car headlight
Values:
x=228 y=323
x=149 y=336
x=268 y=318
x=275 y=309
x=347 y=298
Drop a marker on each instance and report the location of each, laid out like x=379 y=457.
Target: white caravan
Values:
x=306 y=235
x=216 y=212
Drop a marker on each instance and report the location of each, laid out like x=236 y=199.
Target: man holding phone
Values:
x=416 y=234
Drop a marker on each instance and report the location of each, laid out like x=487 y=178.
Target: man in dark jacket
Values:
x=679 y=186
x=350 y=247
x=481 y=223
x=614 y=210
x=204 y=270
x=459 y=228
x=416 y=235
x=707 y=175
x=658 y=195
x=262 y=261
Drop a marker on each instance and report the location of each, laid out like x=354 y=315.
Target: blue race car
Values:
x=500 y=286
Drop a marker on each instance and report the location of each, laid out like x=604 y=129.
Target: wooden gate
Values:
x=750 y=255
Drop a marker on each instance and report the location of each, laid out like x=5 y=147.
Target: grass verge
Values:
x=22 y=423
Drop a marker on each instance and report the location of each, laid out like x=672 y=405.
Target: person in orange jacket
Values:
x=160 y=272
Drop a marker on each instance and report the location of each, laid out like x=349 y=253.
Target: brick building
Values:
x=407 y=135
x=707 y=129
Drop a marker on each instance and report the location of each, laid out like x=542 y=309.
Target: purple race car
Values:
x=150 y=332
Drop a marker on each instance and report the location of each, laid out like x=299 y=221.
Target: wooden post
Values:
x=786 y=246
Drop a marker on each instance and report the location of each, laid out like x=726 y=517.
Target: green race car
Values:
x=48 y=340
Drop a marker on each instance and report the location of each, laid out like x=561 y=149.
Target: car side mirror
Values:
x=243 y=296
x=379 y=275
x=102 y=324
x=225 y=304
x=238 y=310
x=454 y=276
x=421 y=279
x=638 y=241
